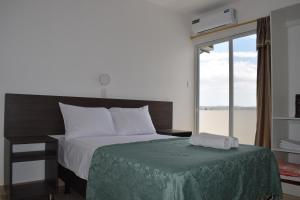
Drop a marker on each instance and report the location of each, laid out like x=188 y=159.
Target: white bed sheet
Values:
x=61 y=140
x=76 y=154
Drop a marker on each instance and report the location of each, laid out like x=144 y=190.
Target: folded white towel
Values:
x=289 y=144
x=234 y=142
x=214 y=141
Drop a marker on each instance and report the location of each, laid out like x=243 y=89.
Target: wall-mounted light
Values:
x=104 y=80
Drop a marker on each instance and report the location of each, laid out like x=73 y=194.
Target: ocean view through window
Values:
x=227 y=88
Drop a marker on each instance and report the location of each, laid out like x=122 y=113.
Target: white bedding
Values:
x=76 y=154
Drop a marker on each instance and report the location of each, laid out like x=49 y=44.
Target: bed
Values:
x=163 y=168
x=28 y=115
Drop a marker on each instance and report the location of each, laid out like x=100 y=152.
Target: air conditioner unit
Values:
x=214 y=20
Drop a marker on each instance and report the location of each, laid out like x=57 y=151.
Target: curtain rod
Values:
x=215 y=30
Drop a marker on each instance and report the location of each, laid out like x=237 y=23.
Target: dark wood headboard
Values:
x=39 y=115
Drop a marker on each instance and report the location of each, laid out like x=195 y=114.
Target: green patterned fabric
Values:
x=173 y=169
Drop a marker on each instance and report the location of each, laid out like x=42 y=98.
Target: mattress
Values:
x=76 y=154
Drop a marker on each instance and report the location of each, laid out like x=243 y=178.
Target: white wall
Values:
x=60 y=47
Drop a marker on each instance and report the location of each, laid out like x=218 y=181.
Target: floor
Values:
x=75 y=196
x=287 y=197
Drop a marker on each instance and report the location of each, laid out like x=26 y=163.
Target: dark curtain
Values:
x=264 y=105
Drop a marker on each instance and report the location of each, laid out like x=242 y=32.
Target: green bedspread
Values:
x=173 y=169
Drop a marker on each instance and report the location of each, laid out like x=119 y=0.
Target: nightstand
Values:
x=37 y=189
x=172 y=132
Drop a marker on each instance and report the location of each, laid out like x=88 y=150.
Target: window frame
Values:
x=231 y=77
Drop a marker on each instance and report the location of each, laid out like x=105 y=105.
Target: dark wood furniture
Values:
x=72 y=181
x=36 y=115
x=37 y=189
x=290 y=181
x=28 y=116
x=173 y=132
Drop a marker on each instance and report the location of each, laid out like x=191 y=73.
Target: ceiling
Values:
x=191 y=6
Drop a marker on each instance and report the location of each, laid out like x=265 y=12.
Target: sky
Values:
x=214 y=74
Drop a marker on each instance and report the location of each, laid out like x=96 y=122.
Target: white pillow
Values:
x=83 y=121
x=132 y=121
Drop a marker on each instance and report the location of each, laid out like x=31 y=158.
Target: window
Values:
x=226 y=102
